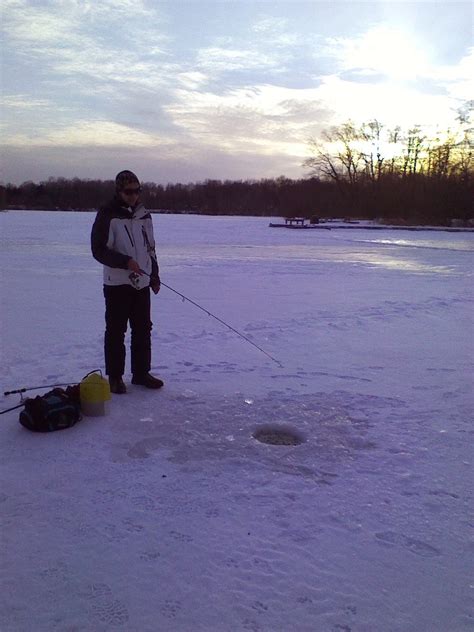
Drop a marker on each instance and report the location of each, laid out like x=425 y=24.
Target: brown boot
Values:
x=117 y=385
x=147 y=380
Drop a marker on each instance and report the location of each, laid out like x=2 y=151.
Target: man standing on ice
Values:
x=122 y=240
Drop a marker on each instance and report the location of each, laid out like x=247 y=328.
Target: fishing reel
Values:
x=135 y=280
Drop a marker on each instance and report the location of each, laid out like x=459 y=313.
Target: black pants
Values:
x=124 y=304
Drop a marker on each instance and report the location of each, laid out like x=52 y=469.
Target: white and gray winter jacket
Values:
x=120 y=234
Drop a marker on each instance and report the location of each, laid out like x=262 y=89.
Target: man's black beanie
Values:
x=125 y=177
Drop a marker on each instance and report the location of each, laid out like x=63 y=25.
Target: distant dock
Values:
x=299 y=223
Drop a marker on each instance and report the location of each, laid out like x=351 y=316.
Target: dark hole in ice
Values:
x=278 y=435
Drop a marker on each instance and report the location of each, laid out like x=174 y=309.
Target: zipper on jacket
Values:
x=146 y=241
x=130 y=237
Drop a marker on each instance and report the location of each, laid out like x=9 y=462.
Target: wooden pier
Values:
x=292 y=223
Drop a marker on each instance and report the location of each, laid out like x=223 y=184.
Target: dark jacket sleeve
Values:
x=155 y=271
x=155 y=268
x=99 y=238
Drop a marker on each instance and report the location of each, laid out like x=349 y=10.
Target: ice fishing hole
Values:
x=278 y=435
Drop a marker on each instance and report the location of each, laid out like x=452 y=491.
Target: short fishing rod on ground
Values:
x=33 y=388
x=23 y=390
x=206 y=311
x=20 y=391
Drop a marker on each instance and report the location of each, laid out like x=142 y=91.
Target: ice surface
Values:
x=167 y=514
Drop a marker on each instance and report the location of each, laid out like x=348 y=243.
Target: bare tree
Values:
x=371 y=134
x=465 y=147
x=412 y=154
x=336 y=157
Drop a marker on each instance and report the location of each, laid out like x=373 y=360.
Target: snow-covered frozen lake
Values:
x=167 y=515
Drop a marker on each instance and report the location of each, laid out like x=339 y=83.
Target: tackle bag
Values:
x=56 y=410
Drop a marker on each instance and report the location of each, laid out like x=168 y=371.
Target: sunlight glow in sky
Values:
x=385 y=50
x=184 y=91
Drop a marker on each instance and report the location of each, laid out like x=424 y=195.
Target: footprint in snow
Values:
x=150 y=556
x=145 y=503
x=171 y=608
x=413 y=545
x=141 y=449
x=104 y=607
x=181 y=537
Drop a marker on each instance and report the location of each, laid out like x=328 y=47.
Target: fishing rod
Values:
x=37 y=388
x=23 y=390
x=7 y=410
x=33 y=388
x=206 y=311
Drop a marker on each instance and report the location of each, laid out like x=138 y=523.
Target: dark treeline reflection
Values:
x=354 y=172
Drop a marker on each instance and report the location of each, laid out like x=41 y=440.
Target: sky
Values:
x=188 y=91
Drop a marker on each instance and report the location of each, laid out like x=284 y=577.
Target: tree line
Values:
x=366 y=171
x=266 y=197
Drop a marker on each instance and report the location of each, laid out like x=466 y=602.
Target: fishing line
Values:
x=206 y=311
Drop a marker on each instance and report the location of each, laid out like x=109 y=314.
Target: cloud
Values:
x=275 y=31
x=263 y=119
x=121 y=74
x=23 y=102
x=151 y=164
x=391 y=103
x=270 y=25
x=216 y=59
x=457 y=79
x=265 y=47
x=383 y=55
x=110 y=41
x=34 y=25
x=192 y=80
x=85 y=133
x=380 y=50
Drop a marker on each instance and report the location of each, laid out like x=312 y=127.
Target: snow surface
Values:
x=167 y=515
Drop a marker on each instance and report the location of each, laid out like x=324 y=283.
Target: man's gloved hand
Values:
x=155 y=284
x=134 y=267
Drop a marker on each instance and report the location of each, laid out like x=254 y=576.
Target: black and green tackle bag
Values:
x=56 y=410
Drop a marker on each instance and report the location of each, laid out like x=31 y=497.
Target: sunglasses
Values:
x=132 y=191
